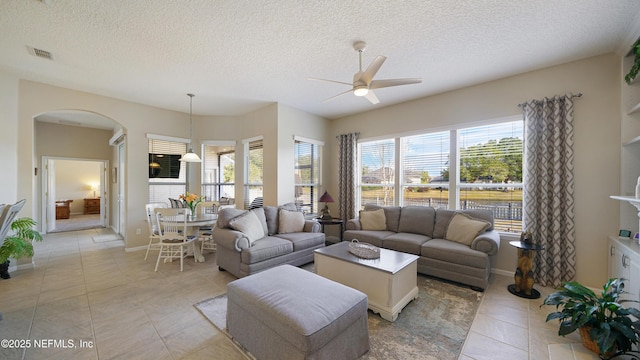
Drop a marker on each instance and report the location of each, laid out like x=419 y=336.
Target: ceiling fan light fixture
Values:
x=361 y=90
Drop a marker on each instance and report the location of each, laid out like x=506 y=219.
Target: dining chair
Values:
x=205 y=232
x=174 y=237
x=154 y=234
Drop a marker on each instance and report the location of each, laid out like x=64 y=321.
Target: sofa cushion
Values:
x=391 y=214
x=373 y=220
x=443 y=217
x=455 y=253
x=249 y=224
x=271 y=214
x=405 y=242
x=485 y=215
x=304 y=240
x=265 y=249
x=290 y=221
x=262 y=218
x=225 y=215
x=463 y=228
x=417 y=220
x=373 y=237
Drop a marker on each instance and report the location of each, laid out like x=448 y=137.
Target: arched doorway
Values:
x=84 y=140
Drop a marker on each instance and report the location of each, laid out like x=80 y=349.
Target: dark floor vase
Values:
x=4 y=270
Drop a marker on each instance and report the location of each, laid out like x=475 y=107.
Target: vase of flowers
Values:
x=191 y=201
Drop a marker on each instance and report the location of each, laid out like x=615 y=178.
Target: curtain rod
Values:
x=570 y=95
x=357 y=134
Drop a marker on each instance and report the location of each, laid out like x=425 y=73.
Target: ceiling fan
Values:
x=363 y=82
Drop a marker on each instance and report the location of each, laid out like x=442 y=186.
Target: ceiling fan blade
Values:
x=378 y=84
x=331 y=81
x=342 y=93
x=373 y=68
x=372 y=97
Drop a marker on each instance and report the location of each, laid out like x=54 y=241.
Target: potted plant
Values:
x=633 y=72
x=18 y=244
x=606 y=327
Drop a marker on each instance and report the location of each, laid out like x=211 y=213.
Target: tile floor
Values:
x=112 y=305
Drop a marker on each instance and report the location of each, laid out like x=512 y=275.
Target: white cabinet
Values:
x=624 y=262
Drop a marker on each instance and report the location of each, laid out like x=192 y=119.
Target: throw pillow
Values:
x=249 y=224
x=463 y=228
x=176 y=204
x=290 y=221
x=373 y=220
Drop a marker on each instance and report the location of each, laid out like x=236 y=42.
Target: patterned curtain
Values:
x=347 y=159
x=549 y=188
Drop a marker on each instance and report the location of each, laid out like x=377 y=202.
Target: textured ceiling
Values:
x=238 y=56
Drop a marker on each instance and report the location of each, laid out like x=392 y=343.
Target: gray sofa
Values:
x=424 y=231
x=282 y=237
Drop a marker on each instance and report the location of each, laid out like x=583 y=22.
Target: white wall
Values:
x=138 y=120
x=9 y=139
x=597 y=140
x=293 y=122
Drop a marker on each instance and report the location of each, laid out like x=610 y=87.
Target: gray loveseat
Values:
x=280 y=235
x=424 y=231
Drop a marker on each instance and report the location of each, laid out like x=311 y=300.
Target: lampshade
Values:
x=326 y=198
x=190 y=156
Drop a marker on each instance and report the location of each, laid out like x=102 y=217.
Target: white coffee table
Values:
x=390 y=281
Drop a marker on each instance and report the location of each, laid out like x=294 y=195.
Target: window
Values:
x=253 y=173
x=377 y=169
x=167 y=175
x=218 y=170
x=425 y=170
x=490 y=168
x=307 y=174
x=485 y=163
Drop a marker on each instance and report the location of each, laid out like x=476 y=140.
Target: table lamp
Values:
x=94 y=188
x=325 y=198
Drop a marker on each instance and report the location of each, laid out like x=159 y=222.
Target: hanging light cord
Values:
x=190 y=122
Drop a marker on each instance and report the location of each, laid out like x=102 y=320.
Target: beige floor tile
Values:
x=66 y=305
x=582 y=353
x=137 y=341
x=513 y=316
x=221 y=348
x=98 y=292
x=560 y=351
x=62 y=293
x=502 y=331
x=480 y=347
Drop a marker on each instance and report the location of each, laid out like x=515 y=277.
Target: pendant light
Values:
x=190 y=156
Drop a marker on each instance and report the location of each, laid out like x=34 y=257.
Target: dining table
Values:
x=194 y=222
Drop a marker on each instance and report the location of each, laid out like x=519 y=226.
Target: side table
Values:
x=332 y=222
x=523 y=277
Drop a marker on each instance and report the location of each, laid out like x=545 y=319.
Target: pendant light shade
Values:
x=190 y=156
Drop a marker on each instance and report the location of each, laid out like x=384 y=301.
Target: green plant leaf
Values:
x=19 y=245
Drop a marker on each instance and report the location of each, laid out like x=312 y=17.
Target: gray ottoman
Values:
x=289 y=313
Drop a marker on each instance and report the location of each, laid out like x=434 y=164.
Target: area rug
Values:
x=434 y=326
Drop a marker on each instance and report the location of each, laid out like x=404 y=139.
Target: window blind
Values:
x=254 y=174
x=377 y=176
x=307 y=175
x=163 y=188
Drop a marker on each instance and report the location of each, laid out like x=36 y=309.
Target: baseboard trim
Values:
x=137 y=248
x=502 y=272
